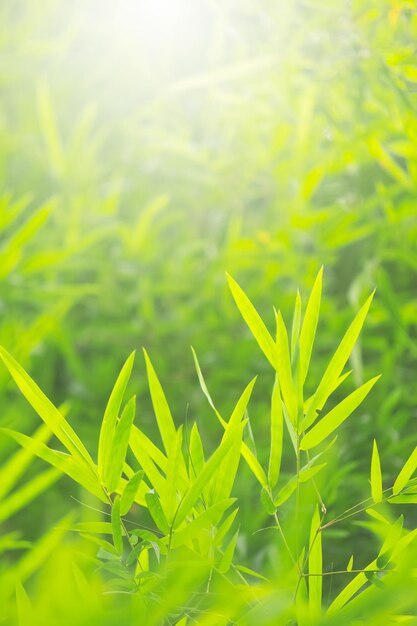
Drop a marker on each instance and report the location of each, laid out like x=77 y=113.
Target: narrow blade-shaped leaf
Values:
x=253 y=320
x=111 y=414
x=118 y=446
x=169 y=502
x=160 y=405
x=208 y=518
x=155 y=509
x=227 y=557
x=277 y=421
x=308 y=330
x=295 y=329
x=315 y=566
x=222 y=481
x=336 y=416
x=336 y=365
x=45 y=409
x=129 y=492
x=286 y=382
x=376 y=476
x=117 y=525
x=206 y=473
x=74 y=468
x=406 y=472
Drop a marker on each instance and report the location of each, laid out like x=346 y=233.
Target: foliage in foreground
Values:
x=169 y=542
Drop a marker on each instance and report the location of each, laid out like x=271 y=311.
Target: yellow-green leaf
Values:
x=253 y=320
x=336 y=416
x=336 y=365
x=406 y=472
x=376 y=476
x=315 y=566
x=111 y=414
x=308 y=330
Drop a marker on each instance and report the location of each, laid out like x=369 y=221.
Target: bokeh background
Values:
x=148 y=146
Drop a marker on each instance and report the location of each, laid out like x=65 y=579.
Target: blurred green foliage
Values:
x=148 y=147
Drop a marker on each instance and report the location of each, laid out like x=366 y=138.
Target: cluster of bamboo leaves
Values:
x=171 y=505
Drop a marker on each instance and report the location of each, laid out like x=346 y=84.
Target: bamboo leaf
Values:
x=74 y=468
x=336 y=416
x=117 y=525
x=45 y=409
x=155 y=509
x=223 y=479
x=119 y=446
x=376 y=477
x=254 y=321
x=277 y=428
x=246 y=452
x=108 y=426
x=315 y=566
x=197 y=487
x=406 y=473
x=129 y=492
x=285 y=379
x=308 y=330
x=227 y=557
x=295 y=329
x=21 y=497
x=208 y=518
x=306 y=474
x=196 y=452
x=336 y=365
x=160 y=405
x=169 y=502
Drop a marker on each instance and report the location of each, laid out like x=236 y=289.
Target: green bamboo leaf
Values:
x=21 y=497
x=74 y=468
x=336 y=365
x=285 y=379
x=169 y=502
x=160 y=405
x=277 y=427
x=24 y=606
x=146 y=462
x=223 y=479
x=108 y=426
x=196 y=452
x=336 y=416
x=254 y=321
x=227 y=557
x=155 y=509
x=308 y=330
x=46 y=410
x=350 y=590
x=209 y=517
x=267 y=502
x=295 y=329
x=391 y=541
x=315 y=566
x=376 y=476
x=224 y=528
x=117 y=525
x=406 y=473
x=246 y=452
x=157 y=456
x=119 y=445
x=203 y=478
x=306 y=474
x=129 y=492
x=11 y=471
x=349 y=566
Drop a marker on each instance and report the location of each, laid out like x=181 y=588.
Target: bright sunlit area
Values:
x=208 y=313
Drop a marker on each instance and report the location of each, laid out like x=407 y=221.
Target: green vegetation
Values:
x=146 y=148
